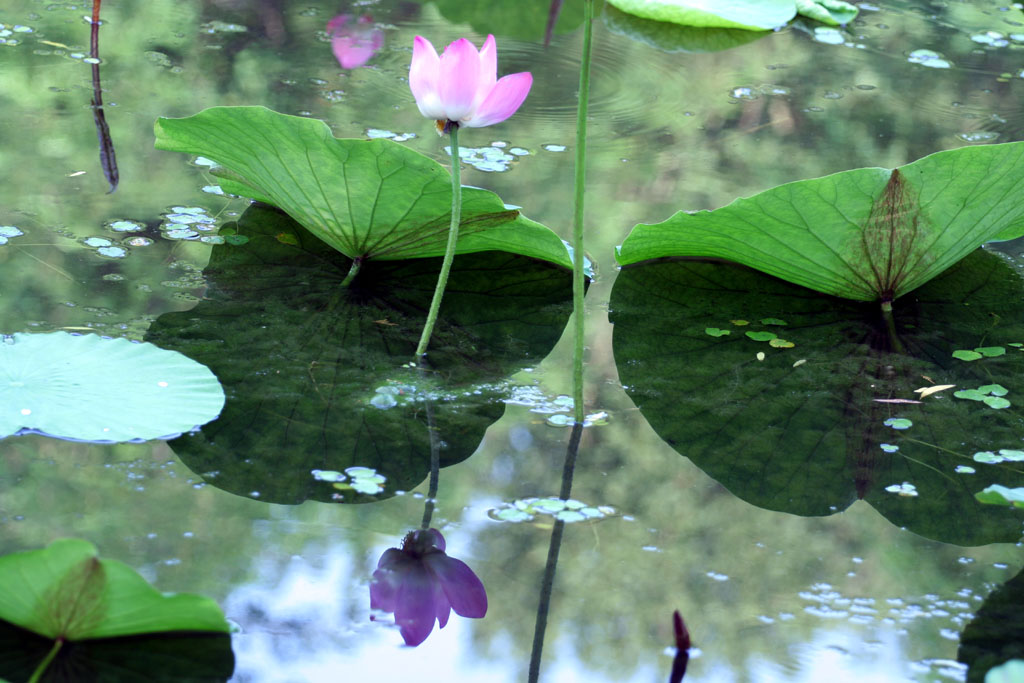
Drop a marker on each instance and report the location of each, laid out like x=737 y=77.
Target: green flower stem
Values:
x=578 y=280
x=435 y=463
x=43 y=665
x=890 y=327
x=449 y=252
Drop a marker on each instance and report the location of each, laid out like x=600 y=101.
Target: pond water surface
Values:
x=791 y=586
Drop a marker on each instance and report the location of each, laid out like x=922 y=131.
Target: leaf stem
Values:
x=890 y=326
x=357 y=264
x=43 y=665
x=453 y=237
x=578 y=257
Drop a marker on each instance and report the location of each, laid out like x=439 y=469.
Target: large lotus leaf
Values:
x=521 y=19
x=369 y=199
x=827 y=415
x=174 y=658
x=757 y=15
x=92 y=388
x=867 y=234
x=997 y=633
x=314 y=373
x=674 y=37
x=65 y=591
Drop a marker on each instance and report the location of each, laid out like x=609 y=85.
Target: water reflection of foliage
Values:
x=306 y=363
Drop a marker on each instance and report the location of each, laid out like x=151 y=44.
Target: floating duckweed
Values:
x=363 y=480
x=828 y=35
x=996 y=402
x=978 y=136
x=990 y=351
x=380 y=133
x=96 y=242
x=138 y=241
x=991 y=38
x=969 y=394
x=213 y=189
x=773 y=321
x=181 y=234
x=519 y=151
x=715 y=332
x=7 y=232
x=781 y=344
x=1005 y=455
x=928 y=58
x=743 y=92
x=889 y=448
x=125 y=226
x=761 y=336
x=905 y=489
x=560 y=420
x=740 y=323
x=1001 y=495
x=384 y=397
x=112 y=252
x=487 y=159
x=964 y=469
x=568 y=511
x=553 y=148
x=964 y=354
x=898 y=423
x=212 y=239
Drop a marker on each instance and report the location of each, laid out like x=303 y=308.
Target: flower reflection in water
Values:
x=354 y=41
x=419 y=583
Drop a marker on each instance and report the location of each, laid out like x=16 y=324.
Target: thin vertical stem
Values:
x=577 y=220
x=453 y=237
x=548 y=582
x=45 y=664
x=435 y=464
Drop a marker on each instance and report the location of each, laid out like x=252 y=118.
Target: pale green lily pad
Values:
x=761 y=336
x=91 y=388
x=994 y=389
x=1001 y=495
x=756 y=15
x=866 y=234
x=716 y=332
x=966 y=354
x=898 y=423
x=996 y=402
x=990 y=351
x=369 y=199
x=65 y=591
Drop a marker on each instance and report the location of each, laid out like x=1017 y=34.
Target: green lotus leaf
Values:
x=92 y=388
x=836 y=420
x=669 y=37
x=369 y=199
x=65 y=591
x=756 y=15
x=832 y=12
x=520 y=19
x=866 y=234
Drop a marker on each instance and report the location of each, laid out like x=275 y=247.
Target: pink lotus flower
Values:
x=461 y=85
x=355 y=42
x=421 y=585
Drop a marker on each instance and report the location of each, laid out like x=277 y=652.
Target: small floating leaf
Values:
x=781 y=344
x=964 y=354
x=761 y=336
x=1001 y=495
x=772 y=321
x=996 y=402
x=1012 y=454
x=715 y=332
x=990 y=351
x=987 y=457
x=740 y=323
x=898 y=423
x=969 y=394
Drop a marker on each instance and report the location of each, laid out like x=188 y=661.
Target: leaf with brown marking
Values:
x=866 y=234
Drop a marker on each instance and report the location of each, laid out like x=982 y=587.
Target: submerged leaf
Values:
x=369 y=199
x=866 y=234
x=756 y=15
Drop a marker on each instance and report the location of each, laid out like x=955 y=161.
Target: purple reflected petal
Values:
x=415 y=612
x=436 y=539
x=442 y=607
x=383 y=589
x=461 y=586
